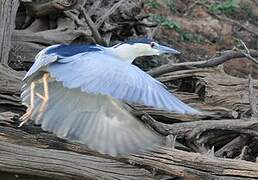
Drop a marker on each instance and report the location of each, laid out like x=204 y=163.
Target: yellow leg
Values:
x=29 y=110
x=45 y=97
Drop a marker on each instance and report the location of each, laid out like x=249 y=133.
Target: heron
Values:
x=77 y=92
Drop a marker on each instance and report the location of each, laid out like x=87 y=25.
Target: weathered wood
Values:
x=61 y=164
x=202 y=135
x=22 y=54
x=194 y=130
x=209 y=112
x=252 y=98
x=230 y=148
x=50 y=7
x=10 y=80
x=56 y=36
x=216 y=87
x=10 y=88
x=8 y=9
x=64 y=165
x=196 y=166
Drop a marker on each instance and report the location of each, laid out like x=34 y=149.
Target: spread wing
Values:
x=99 y=121
x=101 y=73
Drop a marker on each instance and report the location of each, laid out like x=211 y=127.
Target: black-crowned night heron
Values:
x=74 y=92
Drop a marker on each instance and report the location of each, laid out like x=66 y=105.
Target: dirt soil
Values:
x=201 y=28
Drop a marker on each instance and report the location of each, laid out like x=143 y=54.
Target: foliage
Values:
x=189 y=37
x=225 y=7
x=162 y=20
x=165 y=22
x=152 y=4
x=171 y=4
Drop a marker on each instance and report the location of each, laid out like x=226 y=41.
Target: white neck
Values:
x=125 y=52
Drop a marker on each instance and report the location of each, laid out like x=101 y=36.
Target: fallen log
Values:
x=196 y=166
x=62 y=164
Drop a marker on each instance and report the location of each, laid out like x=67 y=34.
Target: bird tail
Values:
x=99 y=121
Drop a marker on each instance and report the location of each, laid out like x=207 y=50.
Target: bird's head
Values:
x=132 y=49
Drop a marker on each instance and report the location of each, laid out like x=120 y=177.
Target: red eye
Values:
x=152 y=44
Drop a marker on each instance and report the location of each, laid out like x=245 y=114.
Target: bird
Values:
x=77 y=92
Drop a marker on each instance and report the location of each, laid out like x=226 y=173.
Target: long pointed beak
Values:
x=167 y=50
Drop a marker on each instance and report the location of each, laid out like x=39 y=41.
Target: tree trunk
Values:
x=8 y=9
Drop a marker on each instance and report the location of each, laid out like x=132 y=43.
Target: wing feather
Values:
x=101 y=73
x=98 y=121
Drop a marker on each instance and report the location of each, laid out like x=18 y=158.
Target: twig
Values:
x=247 y=53
x=242 y=42
x=100 y=21
x=249 y=57
x=188 y=10
x=154 y=32
x=95 y=33
x=73 y=16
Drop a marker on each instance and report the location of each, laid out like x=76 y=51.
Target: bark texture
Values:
x=8 y=9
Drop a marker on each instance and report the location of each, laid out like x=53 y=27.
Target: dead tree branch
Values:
x=224 y=56
x=101 y=20
x=93 y=27
x=194 y=130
